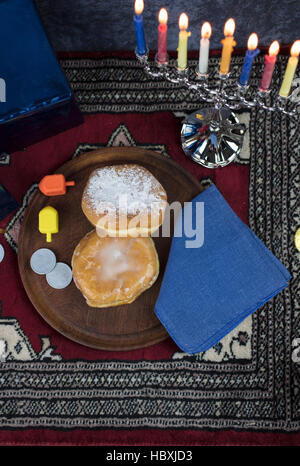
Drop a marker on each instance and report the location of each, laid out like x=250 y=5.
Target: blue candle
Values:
x=249 y=57
x=141 y=48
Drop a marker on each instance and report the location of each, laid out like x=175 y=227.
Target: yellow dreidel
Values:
x=48 y=222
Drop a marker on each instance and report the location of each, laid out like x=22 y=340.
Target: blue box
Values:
x=39 y=101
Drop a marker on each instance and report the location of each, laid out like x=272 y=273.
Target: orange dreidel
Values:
x=48 y=222
x=54 y=185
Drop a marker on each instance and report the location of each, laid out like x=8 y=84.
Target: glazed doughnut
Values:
x=124 y=200
x=114 y=271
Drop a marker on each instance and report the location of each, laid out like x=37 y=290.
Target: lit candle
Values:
x=249 y=57
x=183 y=41
x=162 y=36
x=141 y=48
x=270 y=61
x=290 y=70
x=228 y=45
x=204 y=48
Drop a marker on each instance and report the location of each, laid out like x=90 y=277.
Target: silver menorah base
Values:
x=213 y=136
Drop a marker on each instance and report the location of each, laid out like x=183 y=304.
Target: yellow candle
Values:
x=290 y=70
x=228 y=45
x=183 y=41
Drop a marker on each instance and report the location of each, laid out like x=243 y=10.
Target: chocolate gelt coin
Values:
x=43 y=261
x=60 y=277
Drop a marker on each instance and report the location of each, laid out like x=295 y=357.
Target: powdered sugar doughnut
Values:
x=124 y=200
x=114 y=271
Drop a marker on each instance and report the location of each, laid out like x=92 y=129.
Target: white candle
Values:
x=204 y=48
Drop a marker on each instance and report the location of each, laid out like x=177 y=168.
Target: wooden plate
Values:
x=116 y=328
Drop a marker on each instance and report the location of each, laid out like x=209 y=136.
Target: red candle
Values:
x=162 y=36
x=270 y=61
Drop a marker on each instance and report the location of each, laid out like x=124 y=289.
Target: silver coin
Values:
x=2 y=253
x=43 y=261
x=60 y=277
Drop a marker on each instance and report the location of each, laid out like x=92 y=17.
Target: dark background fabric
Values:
x=107 y=25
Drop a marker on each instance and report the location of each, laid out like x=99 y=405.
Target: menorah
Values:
x=213 y=136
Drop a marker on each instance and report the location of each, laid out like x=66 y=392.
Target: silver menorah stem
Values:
x=214 y=136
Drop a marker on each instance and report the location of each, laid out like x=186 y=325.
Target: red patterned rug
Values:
x=244 y=390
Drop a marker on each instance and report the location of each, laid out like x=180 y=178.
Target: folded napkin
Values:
x=209 y=290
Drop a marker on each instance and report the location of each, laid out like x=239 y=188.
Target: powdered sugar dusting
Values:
x=123 y=188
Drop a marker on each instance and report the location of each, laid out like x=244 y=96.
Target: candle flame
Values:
x=229 y=27
x=206 y=30
x=252 y=41
x=274 y=48
x=183 y=21
x=139 y=7
x=295 y=49
x=163 y=16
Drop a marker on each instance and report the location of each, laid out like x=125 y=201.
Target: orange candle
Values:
x=228 y=45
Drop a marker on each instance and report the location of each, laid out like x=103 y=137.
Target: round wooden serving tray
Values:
x=124 y=327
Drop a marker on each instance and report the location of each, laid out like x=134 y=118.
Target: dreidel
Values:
x=54 y=185
x=48 y=222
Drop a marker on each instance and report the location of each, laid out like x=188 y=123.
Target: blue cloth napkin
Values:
x=209 y=290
